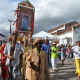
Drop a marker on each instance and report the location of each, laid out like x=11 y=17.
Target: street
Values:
x=65 y=72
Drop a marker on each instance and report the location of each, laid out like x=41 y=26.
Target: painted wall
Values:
x=76 y=34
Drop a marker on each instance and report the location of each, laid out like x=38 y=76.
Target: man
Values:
x=76 y=50
x=46 y=47
x=37 y=63
x=54 y=56
x=12 y=51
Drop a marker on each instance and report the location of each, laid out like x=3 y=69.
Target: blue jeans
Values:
x=13 y=72
x=69 y=55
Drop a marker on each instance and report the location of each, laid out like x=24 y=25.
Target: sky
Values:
x=48 y=13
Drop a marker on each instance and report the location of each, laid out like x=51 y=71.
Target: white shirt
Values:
x=18 y=47
x=76 y=50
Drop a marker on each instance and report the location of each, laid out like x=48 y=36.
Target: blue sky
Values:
x=48 y=13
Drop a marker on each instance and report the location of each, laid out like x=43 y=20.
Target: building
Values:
x=65 y=32
x=1 y=38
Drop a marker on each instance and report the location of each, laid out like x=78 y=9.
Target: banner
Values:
x=25 y=19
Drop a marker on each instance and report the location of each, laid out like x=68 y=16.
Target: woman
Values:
x=54 y=56
x=62 y=54
x=69 y=51
x=76 y=50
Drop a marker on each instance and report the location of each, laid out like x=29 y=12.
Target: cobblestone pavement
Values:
x=65 y=72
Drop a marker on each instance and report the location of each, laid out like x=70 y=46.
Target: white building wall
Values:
x=58 y=29
x=66 y=35
x=70 y=41
x=66 y=38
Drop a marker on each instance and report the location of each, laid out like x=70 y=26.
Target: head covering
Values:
x=78 y=41
x=54 y=43
x=37 y=41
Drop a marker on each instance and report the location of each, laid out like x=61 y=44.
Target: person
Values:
x=69 y=53
x=59 y=53
x=54 y=56
x=62 y=54
x=65 y=48
x=4 y=67
x=37 y=63
x=25 y=21
x=76 y=50
x=46 y=47
x=12 y=51
x=23 y=57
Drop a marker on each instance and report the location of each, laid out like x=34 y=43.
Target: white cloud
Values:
x=48 y=13
x=56 y=12
x=6 y=7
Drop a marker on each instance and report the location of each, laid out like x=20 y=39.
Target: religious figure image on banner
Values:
x=25 y=19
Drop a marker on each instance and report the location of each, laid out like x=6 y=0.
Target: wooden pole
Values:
x=24 y=49
x=31 y=54
x=24 y=39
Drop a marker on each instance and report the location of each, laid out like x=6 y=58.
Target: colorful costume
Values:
x=4 y=68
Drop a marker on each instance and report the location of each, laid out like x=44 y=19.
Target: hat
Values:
x=54 y=43
x=78 y=41
x=37 y=41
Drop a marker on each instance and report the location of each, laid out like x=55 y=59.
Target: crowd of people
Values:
x=33 y=61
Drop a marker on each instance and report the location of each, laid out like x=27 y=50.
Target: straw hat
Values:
x=54 y=43
x=37 y=41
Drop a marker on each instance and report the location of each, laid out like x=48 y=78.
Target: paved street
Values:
x=65 y=72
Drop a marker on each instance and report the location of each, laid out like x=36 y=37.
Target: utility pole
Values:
x=10 y=25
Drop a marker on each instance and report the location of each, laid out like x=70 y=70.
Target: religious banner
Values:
x=25 y=19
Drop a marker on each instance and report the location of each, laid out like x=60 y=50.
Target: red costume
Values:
x=4 y=68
